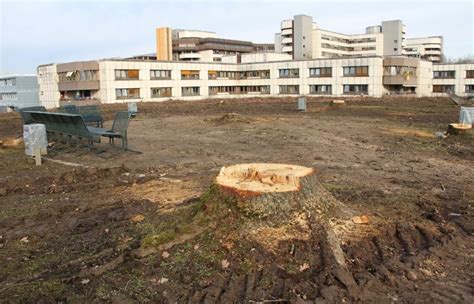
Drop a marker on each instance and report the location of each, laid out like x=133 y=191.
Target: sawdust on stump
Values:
x=275 y=203
x=459 y=129
x=275 y=192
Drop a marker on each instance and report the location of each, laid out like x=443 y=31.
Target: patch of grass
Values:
x=37 y=291
x=159 y=238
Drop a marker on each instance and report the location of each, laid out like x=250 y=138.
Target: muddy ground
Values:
x=127 y=227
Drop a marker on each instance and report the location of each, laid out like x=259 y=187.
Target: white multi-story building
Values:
x=113 y=80
x=453 y=78
x=304 y=39
x=18 y=91
x=309 y=61
x=205 y=46
x=429 y=48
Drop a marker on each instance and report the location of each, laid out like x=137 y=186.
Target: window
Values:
x=289 y=89
x=356 y=71
x=356 y=89
x=396 y=70
x=395 y=41
x=320 y=89
x=320 y=72
x=160 y=92
x=222 y=90
x=395 y=49
x=127 y=93
x=443 y=88
x=212 y=74
x=189 y=74
x=444 y=74
x=255 y=74
x=469 y=88
x=289 y=73
x=255 y=89
x=222 y=74
x=8 y=96
x=470 y=74
x=217 y=59
x=126 y=75
x=160 y=74
x=8 y=82
x=190 y=91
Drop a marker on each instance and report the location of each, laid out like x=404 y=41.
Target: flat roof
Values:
x=256 y=62
x=228 y=63
x=17 y=75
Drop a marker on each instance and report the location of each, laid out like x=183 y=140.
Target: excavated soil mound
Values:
x=232 y=118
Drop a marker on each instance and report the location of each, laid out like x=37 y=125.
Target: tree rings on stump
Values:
x=276 y=191
x=459 y=129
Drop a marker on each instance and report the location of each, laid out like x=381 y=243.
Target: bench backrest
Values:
x=26 y=116
x=121 y=121
x=90 y=113
x=68 y=124
x=70 y=109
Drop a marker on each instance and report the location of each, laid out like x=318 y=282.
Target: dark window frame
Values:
x=355 y=71
x=319 y=92
x=161 y=95
x=353 y=91
x=323 y=72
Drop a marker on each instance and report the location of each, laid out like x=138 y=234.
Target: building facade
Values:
x=453 y=78
x=302 y=38
x=114 y=80
x=18 y=91
x=193 y=45
x=429 y=48
x=164 y=49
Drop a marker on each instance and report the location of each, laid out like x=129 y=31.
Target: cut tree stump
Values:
x=459 y=129
x=338 y=102
x=278 y=196
x=276 y=191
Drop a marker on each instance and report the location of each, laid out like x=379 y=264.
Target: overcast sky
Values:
x=39 y=32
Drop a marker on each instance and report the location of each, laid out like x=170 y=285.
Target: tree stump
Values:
x=276 y=198
x=459 y=129
x=274 y=192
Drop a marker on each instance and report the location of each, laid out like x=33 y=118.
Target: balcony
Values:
x=287 y=32
x=432 y=52
x=399 y=80
x=287 y=49
x=286 y=24
x=287 y=41
x=78 y=85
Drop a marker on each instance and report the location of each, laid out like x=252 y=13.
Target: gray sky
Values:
x=39 y=32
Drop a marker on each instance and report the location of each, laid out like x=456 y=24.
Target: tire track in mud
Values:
x=395 y=268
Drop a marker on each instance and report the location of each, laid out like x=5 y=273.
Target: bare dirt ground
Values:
x=132 y=227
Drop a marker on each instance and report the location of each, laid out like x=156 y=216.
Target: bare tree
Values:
x=466 y=59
